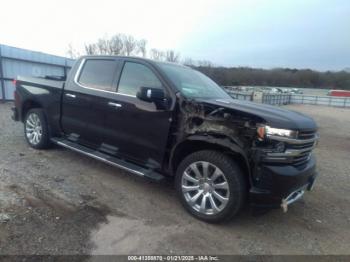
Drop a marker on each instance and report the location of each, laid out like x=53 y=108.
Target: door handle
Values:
x=71 y=95
x=114 y=104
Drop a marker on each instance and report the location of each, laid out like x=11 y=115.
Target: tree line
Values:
x=127 y=45
x=282 y=77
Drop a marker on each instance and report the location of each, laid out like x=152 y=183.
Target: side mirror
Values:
x=150 y=94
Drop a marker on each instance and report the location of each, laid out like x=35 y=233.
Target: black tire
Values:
x=44 y=141
x=234 y=178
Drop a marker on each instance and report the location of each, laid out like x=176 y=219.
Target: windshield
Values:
x=191 y=83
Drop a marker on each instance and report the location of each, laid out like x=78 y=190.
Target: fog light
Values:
x=280 y=147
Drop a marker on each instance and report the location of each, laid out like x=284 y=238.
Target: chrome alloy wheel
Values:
x=205 y=188
x=34 y=129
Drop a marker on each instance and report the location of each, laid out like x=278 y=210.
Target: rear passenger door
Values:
x=137 y=128
x=85 y=100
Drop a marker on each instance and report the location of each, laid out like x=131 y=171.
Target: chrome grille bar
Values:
x=295 y=141
x=298 y=151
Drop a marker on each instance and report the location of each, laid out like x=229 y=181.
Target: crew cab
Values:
x=157 y=119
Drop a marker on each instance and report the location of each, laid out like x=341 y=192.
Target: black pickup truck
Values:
x=157 y=119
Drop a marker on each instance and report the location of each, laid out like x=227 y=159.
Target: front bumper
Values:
x=281 y=185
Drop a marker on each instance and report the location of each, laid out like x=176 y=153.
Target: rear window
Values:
x=98 y=74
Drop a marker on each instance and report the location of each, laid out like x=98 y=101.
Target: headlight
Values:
x=267 y=131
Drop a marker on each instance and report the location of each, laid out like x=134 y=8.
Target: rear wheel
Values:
x=36 y=129
x=211 y=186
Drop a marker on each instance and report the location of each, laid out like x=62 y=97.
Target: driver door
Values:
x=138 y=129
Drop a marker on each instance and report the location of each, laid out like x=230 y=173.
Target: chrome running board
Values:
x=122 y=164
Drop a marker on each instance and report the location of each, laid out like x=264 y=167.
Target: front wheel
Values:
x=36 y=129
x=211 y=186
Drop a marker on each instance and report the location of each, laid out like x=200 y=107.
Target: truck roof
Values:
x=131 y=57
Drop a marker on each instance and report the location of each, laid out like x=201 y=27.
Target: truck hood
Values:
x=273 y=116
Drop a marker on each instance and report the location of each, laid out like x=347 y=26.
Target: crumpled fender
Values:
x=225 y=142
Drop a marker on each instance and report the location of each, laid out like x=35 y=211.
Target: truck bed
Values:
x=38 y=92
x=40 y=82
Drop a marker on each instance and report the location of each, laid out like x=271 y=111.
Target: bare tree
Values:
x=204 y=63
x=189 y=62
x=129 y=44
x=157 y=54
x=116 y=45
x=141 y=46
x=121 y=44
x=171 y=56
x=105 y=46
x=102 y=46
x=72 y=52
x=90 y=49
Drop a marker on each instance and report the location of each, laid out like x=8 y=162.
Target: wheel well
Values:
x=190 y=147
x=27 y=106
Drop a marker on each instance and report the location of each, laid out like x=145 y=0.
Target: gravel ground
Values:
x=59 y=202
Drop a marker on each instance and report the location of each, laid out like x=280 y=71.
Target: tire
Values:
x=223 y=193
x=36 y=129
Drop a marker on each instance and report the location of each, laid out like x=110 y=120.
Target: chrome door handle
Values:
x=114 y=104
x=71 y=95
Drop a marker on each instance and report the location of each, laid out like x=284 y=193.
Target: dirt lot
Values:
x=60 y=202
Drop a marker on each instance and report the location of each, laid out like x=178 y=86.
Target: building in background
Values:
x=16 y=61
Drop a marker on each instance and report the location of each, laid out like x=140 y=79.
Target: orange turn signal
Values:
x=261 y=132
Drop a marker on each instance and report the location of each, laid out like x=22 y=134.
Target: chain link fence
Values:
x=321 y=100
x=276 y=99
x=241 y=95
x=285 y=99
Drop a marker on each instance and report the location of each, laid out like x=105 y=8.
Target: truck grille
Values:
x=302 y=159
x=298 y=151
x=306 y=134
x=301 y=146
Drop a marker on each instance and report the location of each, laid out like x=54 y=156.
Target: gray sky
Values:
x=272 y=33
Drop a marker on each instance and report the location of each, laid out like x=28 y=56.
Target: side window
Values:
x=99 y=74
x=134 y=76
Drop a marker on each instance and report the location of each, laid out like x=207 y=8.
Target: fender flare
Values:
x=29 y=101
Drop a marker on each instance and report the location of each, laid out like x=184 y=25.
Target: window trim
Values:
x=79 y=71
x=135 y=62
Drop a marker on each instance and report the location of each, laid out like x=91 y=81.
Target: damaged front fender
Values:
x=206 y=125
